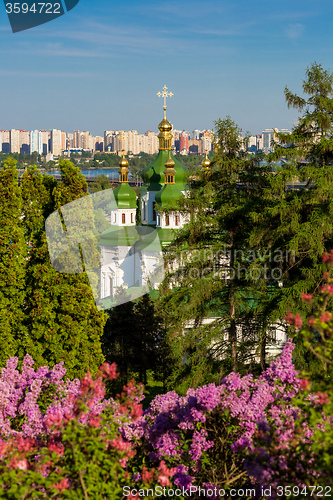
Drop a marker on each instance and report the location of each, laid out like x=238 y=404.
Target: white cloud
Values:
x=294 y=30
x=43 y=74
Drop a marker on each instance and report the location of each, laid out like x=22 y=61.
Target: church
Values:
x=132 y=258
x=131 y=255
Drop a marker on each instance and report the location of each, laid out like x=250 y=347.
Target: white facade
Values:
x=56 y=142
x=36 y=141
x=172 y=220
x=269 y=136
x=14 y=137
x=148 y=212
x=123 y=216
x=276 y=337
x=120 y=268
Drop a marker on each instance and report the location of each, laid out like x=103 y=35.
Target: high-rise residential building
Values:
x=24 y=142
x=108 y=137
x=119 y=142
x=252 y=143
x=63 y=140
x=133 y=142
x=269 y=136
x=77 y=139
x=86 y=142
x=46 y=138
x=206 y=137
x=176 y=134
x=195 y=134
x=152 y=142
x=259 y=142
x=14 y=139
x=5 y=141
x=193 y=146
x=98 y=142
x=36 y=141
x=183 y=141
x=69 y=141
x=56 y=142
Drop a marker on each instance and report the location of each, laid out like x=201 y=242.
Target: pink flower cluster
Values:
x=259 y=407
x=31 y=402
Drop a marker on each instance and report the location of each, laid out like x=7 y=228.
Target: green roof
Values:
x=154 y=178
x=144 y=237
x=166 y=236
x=119 y=236
x=168 y=195
x=125 y=196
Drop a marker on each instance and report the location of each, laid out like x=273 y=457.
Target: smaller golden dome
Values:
x=206 y=162
x=169 y=163
x=123 y=170
x=165 y=125
x=169 y=172
x=123 y=162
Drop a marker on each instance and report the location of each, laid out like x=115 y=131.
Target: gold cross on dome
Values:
x=164 y=94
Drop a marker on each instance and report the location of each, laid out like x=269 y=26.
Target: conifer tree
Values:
x=13 y=252
x=62 y=319
x=118 y=338
x=212 y=276
x=297 y=215
x=134 y=337
x=311 y=138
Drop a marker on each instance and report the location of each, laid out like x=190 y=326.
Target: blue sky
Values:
x=100 y=66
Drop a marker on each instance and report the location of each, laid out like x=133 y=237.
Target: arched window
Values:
x=167 y=220
x=176 y=220
x=123 y=218
x=132 y=217
x=154 y=211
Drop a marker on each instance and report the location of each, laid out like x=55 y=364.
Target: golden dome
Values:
x=165 y=125
x=206 y=162
x=169 y=172
x=169 y=163
x=123 y=170
x=123 y=162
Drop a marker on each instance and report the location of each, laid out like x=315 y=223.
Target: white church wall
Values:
x=123 y=217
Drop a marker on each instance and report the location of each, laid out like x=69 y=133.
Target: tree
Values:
x=61 y=317
x=311 y=138
x=134 y=338
x=209 y=271
x=298 y=222
x=100 y=183
x=228 y=138
x=13 y=254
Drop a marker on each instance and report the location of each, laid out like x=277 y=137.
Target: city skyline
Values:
x=101 y=66
x=58 y=142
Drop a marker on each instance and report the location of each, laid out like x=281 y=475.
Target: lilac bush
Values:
x=30 y=400
x=67 y=442
x=206 y=434
x=244 y=432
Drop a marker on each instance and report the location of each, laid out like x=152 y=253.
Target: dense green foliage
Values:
x=272 y=234
x=13 y=254
x=50 y=315
x=311 y=139
x=134 y=338
x=100 y=183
